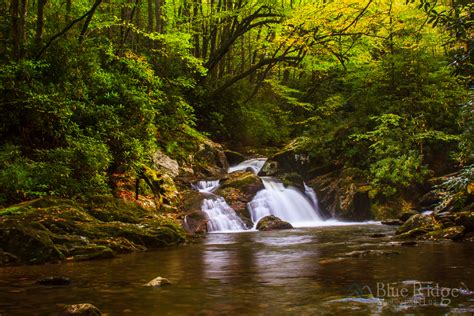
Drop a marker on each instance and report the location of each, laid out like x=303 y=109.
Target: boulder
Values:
x=238 y=189
x=419 y=223
x=50 y=230
x=209 y=160
x=233 y=157
x=157 y=282
x=341 y=196
x=165 y=164
x=392 y=222
x=465 y=219
x=406 y=215
x=194 y=219
x=272 y=223
x=7 y=259
x=80 y=310
x=453 y=233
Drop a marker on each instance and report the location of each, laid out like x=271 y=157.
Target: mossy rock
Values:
x=30 y=242
x=238 y=189
x=452 y=233
x=56 y=229
x=422 y=222
x=272 y=223
x=465 y=219
x=91 y=251
x=233 y=157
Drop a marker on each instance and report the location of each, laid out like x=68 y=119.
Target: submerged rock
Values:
x=54 y=280
x=272 y=223
x=392 y=222
x=363 y=253
x=157 y=282
x=80 y=310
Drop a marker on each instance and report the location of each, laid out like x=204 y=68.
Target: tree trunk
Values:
x=15 y=28
x=39 y=23
x=150 y=16
x=158 y=16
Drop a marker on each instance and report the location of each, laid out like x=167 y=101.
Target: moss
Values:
x=45 y=231
x=91 y=252
x=30 y=242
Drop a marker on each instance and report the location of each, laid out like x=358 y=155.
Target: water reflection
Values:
x=252 y=273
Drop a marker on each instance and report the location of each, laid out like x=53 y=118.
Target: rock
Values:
x=363 y=253
x=196 y=222
x=54 y=280
x=210 y=160
x=29 y=242
x=453 y=233
x=238 y=189
x=80 y=310
x=419 y=223
x=270 y=168
x=377 y=235
x=341 y=196
x=165 y=164
x=392 y=222
x=157 y=282
x=50 y=230
x=91 y=252
x=465 y=219
x=272 y=223
x=405 y=216
x=233 y=157
x=409 y=243
x=7 y=259
x=194 y=219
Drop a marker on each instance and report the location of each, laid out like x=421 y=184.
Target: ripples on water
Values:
x=296 y=272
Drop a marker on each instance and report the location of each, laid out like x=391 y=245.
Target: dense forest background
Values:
x=92 y=88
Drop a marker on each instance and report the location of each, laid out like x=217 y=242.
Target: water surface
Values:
x=313 y=271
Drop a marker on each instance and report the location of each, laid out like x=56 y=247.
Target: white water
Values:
x=222 y=218
x=255 y=165
x=206 y=186
x=311 y=195
x=288 y=204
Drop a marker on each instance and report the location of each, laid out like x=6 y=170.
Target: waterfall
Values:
x=206 y=186
x=289 y=204
x=255 y=165
x=222 y=217
x=311 y=194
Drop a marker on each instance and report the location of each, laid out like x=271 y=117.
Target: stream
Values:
x=305 y=271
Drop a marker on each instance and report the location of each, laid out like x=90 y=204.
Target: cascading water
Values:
x=311 y=195
x=289 y=204
x=255 y=164
x=206 y=186
x=286 y=203
x=221 y=217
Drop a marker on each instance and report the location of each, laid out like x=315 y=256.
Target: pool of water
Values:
x=337 y=270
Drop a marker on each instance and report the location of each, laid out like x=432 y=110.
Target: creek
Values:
x=313 y=271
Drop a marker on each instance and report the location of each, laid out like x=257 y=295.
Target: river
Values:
x=331 y=270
